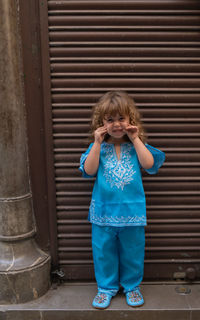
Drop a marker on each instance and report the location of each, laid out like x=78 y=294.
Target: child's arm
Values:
x=144 y=155
x=92 y=162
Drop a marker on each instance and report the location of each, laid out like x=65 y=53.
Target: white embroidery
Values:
x=107 y=220
x=118 y=172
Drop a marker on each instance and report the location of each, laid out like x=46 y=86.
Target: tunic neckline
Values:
x=104 y=142
x=114 y=150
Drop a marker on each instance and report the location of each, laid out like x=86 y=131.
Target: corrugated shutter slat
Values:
x=151 y=49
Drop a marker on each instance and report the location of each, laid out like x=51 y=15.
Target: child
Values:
x=117 y=210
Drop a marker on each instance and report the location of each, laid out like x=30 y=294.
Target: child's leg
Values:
x=131 y=248
x=106 y=260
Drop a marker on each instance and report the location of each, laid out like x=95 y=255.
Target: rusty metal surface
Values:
x=150 y=49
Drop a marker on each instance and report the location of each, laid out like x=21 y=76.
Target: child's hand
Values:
x=131 y=131
x=99 y=134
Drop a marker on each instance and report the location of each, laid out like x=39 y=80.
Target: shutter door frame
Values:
x=32 y=75
x=48 y=127
x=72 y=240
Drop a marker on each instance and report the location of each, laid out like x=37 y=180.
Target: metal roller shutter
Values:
x=151 y=50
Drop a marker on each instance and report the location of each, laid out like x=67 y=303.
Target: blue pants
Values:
x=118 y=254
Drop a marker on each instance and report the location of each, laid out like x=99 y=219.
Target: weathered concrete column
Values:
x=24 y=268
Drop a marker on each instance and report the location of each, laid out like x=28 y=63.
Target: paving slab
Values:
x=73 y=301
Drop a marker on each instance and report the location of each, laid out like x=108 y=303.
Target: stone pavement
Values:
x=73 y=301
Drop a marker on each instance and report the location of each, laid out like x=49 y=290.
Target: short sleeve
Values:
x=159 y=158
x=82 y=162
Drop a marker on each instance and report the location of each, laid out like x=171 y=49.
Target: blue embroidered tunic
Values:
x=118 y=197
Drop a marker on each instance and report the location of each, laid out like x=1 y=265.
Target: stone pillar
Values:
x=24 y=268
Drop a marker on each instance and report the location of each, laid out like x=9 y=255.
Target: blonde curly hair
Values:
x=112 y=103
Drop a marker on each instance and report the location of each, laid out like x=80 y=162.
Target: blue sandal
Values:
x=102 y=300
x=134 y=298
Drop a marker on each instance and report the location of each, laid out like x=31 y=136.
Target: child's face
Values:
x=116 y=124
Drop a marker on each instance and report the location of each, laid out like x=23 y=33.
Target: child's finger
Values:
x=105 y=127
x=101 y=129
x=133 y=128
x=128 y=128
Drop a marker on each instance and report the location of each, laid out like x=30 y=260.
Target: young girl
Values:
x=117 y=210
